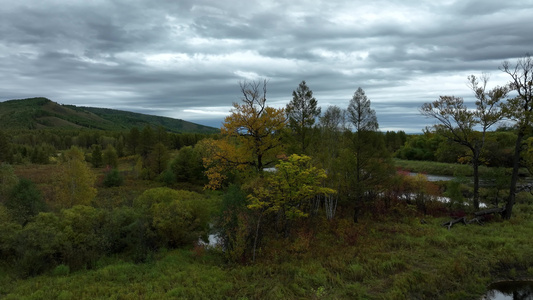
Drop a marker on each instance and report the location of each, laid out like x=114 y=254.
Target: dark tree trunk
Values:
x=475 y=164
x=514 y=176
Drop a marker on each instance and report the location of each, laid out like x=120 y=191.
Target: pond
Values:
x=510 y=290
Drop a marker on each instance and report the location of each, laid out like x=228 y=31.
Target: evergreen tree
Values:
x=133 y=140
x=146 y=141
x=302 y=112
x=366 y=165
x=362 y=117
x=8 y=180
x=25 y=201
x=158 y=158
x=5 y=148
x=96 y=156
x=187 y=166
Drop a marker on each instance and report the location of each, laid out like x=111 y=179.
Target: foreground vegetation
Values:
x=395 y=257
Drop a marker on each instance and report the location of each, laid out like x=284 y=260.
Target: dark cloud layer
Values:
x=184 y=59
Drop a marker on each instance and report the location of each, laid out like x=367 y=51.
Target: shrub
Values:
x=61 y=270
x=176 y=217
x=187 y=166
x=38 y=245
x=113 y=178
x=25 y=201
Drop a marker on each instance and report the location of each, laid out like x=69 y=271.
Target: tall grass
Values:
x=437 y=168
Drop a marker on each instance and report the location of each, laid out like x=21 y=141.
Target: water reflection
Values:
x=510 y=290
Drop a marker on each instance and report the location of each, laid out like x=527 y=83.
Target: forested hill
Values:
x=41 y=113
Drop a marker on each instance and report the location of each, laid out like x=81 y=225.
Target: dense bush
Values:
x=176 y=217
x=113 y=178
x=25 y=201
x=79 y=236
x=187 y=165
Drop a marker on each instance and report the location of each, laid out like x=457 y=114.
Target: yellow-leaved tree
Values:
x=290 y=188
x=75 y=185
x=250 y=136
x=288 y=192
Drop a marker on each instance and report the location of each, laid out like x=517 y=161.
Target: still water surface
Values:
x=510 y=290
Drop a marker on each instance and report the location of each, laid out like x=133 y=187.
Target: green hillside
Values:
x=42 y=113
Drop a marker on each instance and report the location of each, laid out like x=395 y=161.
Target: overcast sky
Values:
x=184 y=58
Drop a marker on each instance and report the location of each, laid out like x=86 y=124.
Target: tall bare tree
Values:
x=519 y=109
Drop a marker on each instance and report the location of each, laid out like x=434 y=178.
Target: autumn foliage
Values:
x=251 y=137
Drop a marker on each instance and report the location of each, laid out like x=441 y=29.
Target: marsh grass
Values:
x=437 y=168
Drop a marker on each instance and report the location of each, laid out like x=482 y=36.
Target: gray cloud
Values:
x=184 y=59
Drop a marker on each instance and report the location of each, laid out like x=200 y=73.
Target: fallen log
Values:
x=489 y=211
x=450 y=223
x=478 y=220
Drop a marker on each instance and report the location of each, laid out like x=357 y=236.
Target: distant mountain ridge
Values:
x=42 y=113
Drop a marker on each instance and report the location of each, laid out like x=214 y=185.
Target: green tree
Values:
x=75 y=184
x=8 y=180
x=288 y=191
x=40 y=154
x=333 y=119
x=362 y=117
x=395 y=140
x=120 y=146
x=25 y=201
x=161 y=136
x=96 y=156
x=110 y=156
x=187 y=165
x=328 y=149
x=82 y=230
x=302 y=111
x=235 y=232
x=5 y=148
x=175 y=217
x=146 y=141
x=422 y=147
x=113 y=178
x=158 y=158
x=289 y=188
x=39 y=245
x=8 y=235
x=133 y=140
x=366 y=152
x=457 y=122
x=519 y=109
